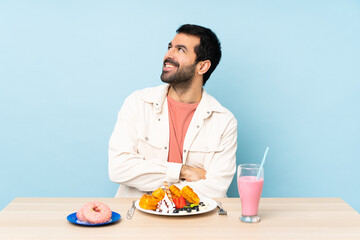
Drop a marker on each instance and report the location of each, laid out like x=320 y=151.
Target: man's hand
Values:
x=192 y=174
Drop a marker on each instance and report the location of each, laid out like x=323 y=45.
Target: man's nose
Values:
x=169 y=53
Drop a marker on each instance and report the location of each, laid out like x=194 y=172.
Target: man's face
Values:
x=179 y=61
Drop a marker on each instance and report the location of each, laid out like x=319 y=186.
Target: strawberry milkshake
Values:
x=250 y=189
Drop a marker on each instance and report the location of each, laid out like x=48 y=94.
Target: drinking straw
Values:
x=262 y=162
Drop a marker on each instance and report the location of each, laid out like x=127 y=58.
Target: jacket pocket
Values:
x=204 y=149
x=150 y=148
x=201 y=156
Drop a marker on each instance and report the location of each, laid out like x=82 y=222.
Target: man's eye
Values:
x=169 y=47
x=181 y=50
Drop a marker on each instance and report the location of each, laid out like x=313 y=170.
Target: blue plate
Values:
x=73 y=219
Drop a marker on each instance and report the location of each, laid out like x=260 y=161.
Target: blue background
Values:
x=290 y=74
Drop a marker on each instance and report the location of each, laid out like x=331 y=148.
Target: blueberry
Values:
x=188 y=210
x=176 y=211
x=197 y=208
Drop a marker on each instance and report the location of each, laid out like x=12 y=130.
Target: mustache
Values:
x=173 y=62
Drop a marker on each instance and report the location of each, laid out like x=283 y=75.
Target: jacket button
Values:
x=185 y=150
x=208 y=112
x=198 y=126
x=146 y=138
x=165 y=147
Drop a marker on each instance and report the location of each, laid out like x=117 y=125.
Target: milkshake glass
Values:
x=250 y=189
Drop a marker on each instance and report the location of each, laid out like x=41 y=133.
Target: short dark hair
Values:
x=209 y=48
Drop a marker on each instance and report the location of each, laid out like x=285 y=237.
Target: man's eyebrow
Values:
x=178 y=46
x=181 y=46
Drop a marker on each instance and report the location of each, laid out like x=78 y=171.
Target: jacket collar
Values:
x=157 y=96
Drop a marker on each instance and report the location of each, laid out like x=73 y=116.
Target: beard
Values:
x=182 y=77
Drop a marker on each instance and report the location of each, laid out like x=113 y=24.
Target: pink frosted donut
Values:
x=80 y=216
x=96 y=212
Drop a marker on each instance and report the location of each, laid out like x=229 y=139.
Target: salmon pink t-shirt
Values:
x=180 y=115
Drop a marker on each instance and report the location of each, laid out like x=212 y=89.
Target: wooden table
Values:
x=281 y=218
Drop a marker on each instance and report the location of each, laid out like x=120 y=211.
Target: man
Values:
x=176 y=132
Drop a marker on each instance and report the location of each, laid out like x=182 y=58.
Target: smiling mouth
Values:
x=168 y=68
x=169 y=65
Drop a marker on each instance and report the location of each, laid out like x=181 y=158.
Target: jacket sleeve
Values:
x=220 y=173
x=126 y=165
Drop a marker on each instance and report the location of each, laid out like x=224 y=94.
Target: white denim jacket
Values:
x=138 y=147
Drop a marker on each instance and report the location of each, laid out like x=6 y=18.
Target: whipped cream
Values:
x=165 y=205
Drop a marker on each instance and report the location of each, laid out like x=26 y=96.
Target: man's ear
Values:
x=203 y=67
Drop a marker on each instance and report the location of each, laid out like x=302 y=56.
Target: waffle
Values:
x=190 y=195
x=148 y=202
x=175 y=191
x=159 y=193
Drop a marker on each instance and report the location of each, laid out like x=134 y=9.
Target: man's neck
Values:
x=191 y=94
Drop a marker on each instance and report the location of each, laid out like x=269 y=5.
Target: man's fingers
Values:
x=192 y=174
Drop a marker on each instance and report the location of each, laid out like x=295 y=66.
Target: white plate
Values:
x=210 y=205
